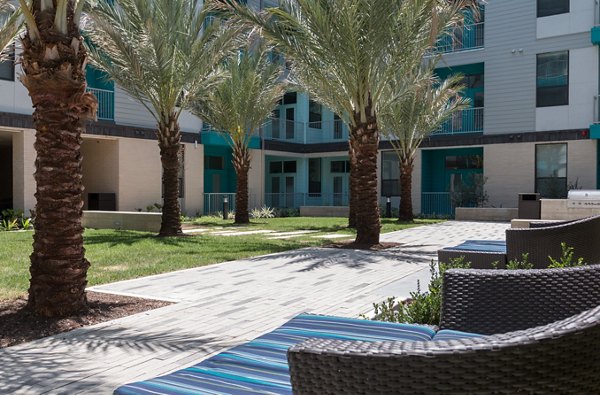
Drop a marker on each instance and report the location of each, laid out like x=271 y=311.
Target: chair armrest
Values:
x=498 y=301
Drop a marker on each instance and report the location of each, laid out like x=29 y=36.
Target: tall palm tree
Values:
x=162 y=52
x=425 y=106
x=240 y=104
x=10 y=24
x=53 y=63
x=344 y=52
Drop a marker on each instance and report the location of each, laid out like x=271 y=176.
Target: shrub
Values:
x=263 y=212
x=523 y=264
x=566 y=258
x=287 y=212
x=421 y=307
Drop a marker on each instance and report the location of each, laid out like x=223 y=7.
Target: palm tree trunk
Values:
x=364 y=174
x=169 y=142
x=54 y=74
x=406 y=208
x=241 y=164
x=351 y=186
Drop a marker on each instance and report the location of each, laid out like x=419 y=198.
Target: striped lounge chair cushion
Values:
x=260 y=366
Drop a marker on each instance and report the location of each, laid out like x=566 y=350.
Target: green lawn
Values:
x=121 y=255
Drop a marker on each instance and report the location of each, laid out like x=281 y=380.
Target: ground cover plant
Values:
x=120 y=255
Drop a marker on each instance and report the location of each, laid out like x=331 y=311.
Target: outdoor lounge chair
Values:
x=539 y=242
x=532 y=331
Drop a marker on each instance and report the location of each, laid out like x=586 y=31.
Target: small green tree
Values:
x=406 y=122
x=163 y=53
x=238 y=106
x=10 y=25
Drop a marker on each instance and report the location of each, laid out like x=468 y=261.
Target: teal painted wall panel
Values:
x=219 y=181
x=596 y=35
x=98 y=79
x=213 y=138
x=435 y=176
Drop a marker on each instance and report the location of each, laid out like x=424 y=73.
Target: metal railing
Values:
x=106 y=103
x=463 y=121
x=437 y=204
x=213 y=202
x=304 y=132
x=295 y=200
x=463 y=38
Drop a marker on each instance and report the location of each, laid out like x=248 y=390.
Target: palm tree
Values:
x=344 y=53
x=425 y=106
x=163 y=53
x=10 y=24
x=53 y=63
x=240 y=104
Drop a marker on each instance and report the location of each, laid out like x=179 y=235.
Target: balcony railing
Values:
x=106 y=103
x=305 y=133
x=437 y=204
x=464 y=121
x=463 y=38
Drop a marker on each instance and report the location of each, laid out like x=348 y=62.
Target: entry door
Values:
x=290 y=125
x=289 y=191
x=338 y=190
x=275 y=191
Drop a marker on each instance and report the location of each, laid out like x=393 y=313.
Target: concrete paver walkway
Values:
x=222 y=305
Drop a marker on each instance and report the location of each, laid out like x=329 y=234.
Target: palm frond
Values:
x=11 y=21
x=344 y=52
x=240 y=103
x=162 y=52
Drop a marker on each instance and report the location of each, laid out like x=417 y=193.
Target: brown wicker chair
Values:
x=553 y=319
x=539 y=242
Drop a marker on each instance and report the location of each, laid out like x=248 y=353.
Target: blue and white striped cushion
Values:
x=448 y=334
x=261 y=366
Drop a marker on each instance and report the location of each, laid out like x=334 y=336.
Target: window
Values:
x=7 y=68
x=214 y=162
x=551 y=170
x=552 y=79
x=290 y=98
x=473 y=81
x=552 y=7
x=340 y=166
x=314 y=176
x=464 y=162
x=390 y=174
x=315 y=114
x=288 y=166
x=275 y=167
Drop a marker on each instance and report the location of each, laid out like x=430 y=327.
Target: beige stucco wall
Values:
x=256 y=179
x=23 y=170
x=139 y=174
x=193 y=201
x=510 y=169
x=100 y=166
x=581 y=166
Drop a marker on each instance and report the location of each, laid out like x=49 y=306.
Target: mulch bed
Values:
x=18 y=325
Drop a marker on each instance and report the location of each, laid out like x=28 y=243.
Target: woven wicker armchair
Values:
x=546 y=332
x=539 y=242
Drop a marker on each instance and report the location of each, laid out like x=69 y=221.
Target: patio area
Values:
x=220 y=306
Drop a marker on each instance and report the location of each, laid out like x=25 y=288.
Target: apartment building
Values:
x=531 y=74
x=531 y=69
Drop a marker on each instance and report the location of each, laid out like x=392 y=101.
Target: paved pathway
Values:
x=222 y=305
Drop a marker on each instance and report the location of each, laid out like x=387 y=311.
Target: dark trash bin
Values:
x=530 y=206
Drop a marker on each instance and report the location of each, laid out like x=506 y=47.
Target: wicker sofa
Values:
x=542 y=332
x=539 y=242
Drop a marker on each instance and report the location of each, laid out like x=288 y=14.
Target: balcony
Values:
x=106 y=103
x=305 y=132
x=464 y=121
x=464 y=38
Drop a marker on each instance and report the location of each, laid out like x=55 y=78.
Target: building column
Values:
x=23 y=169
